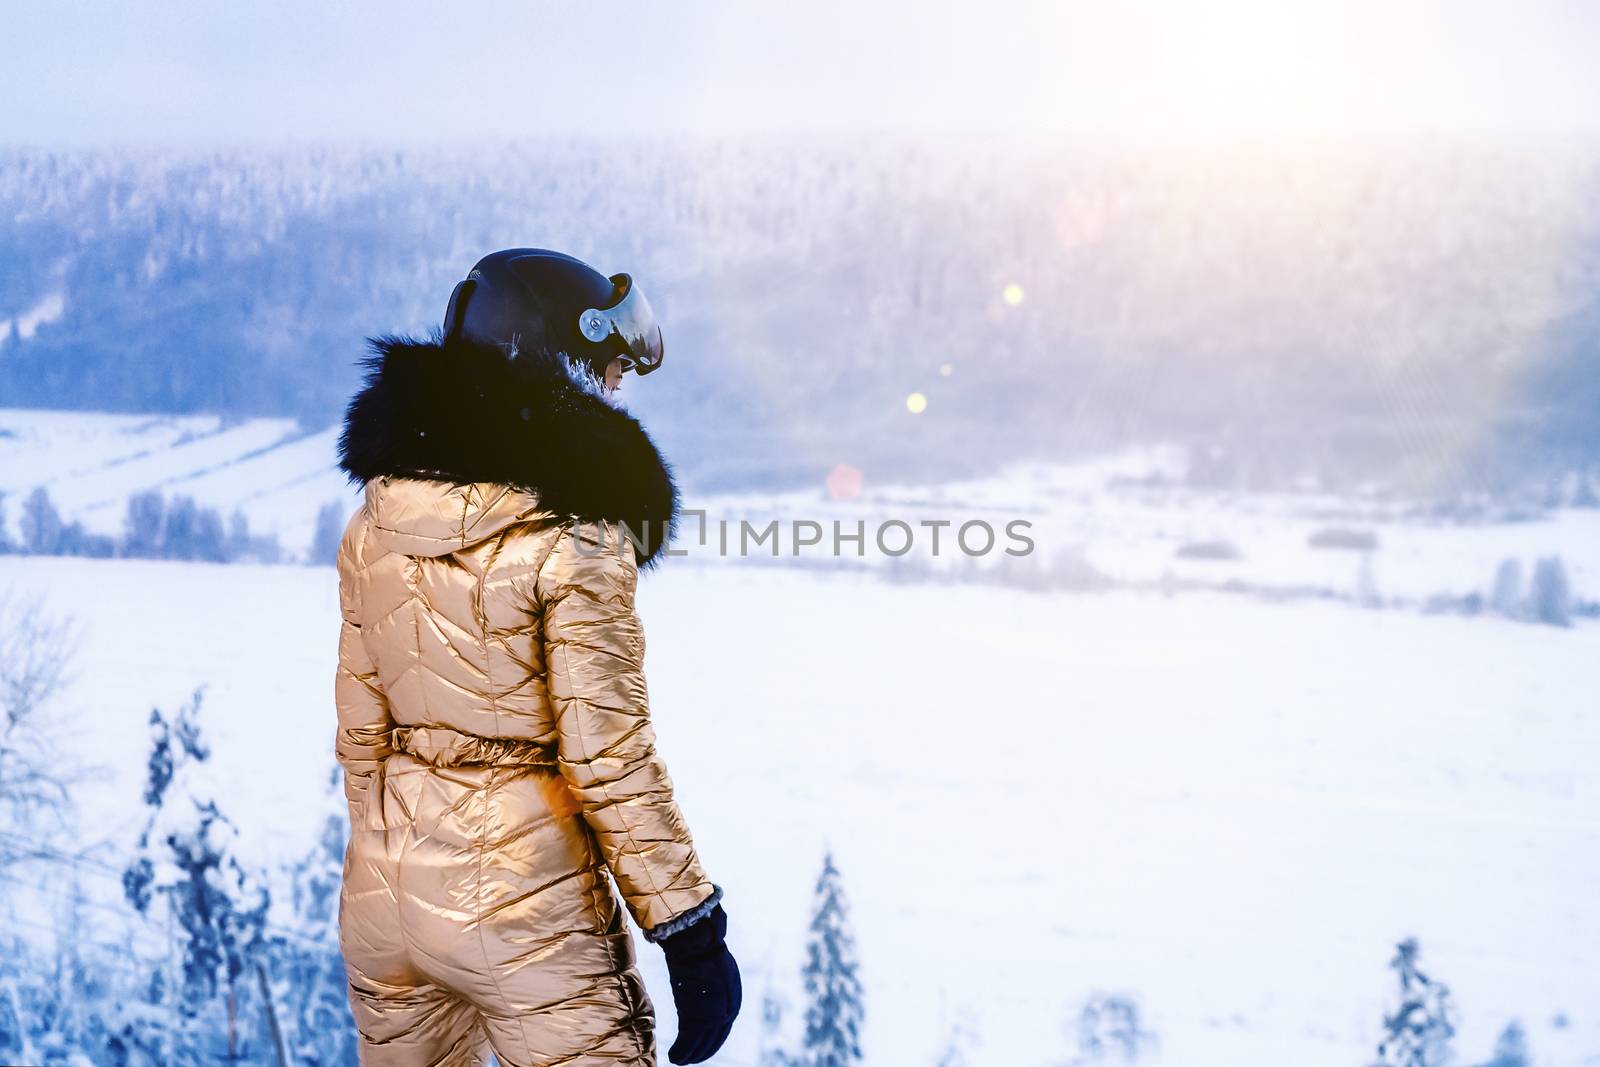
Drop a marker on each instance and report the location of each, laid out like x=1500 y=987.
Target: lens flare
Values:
x=844 y=482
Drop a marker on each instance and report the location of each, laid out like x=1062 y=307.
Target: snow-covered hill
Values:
x=273 y=471
x=1132 y=518
x=1228 y=809
x=1095 y=767
x=1350 y=306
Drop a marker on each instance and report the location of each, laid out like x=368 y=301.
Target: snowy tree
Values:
x=1550 y=598
x=185 y=864
x=1585 y=496
x=956 y=1044
x=191 y=532
x=1109 y=1031
x=40 y=524
x=14 y=1038
x=1511 y=1050
x=54 y=980
x=1556 y=493
x=179 y=526
x=210 y=542
x=330 y=531
x=153 y=528
x=769 y=1049
x=35 y=654
x=142 y=1026
x=306 y=957
x=142 y=525
x=1418 y=1032
x=1506 y=598
x=241 y=544
x=70 y=1026
x=835 y=1005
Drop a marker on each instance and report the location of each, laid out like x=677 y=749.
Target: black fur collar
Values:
x=463 y=412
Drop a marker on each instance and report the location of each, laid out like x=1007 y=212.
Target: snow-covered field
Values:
x=90 y=463
x=1229 y=809
x=1126 y=518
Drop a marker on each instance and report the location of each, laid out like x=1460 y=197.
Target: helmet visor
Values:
x=631 y=319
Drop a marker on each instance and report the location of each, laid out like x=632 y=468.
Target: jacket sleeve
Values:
x=362 y=739
x=594 y=652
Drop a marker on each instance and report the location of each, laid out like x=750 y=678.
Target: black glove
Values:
x=705 y=987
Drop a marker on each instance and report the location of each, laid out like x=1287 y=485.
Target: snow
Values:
x=1229 y=809
x=26 y=324
x=1128 y=528
x=1123 y=516
x=274 y=471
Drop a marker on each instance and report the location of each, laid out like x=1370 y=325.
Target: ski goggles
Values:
x=631 y=319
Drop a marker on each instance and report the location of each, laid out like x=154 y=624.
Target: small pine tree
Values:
x=16 y=1033
x=315 y=997
x=210 y=543
x=77 y=541
x=330 y=531
x=1507 y=598
x=1585 y=496
x=770 y=1051
x=951 y=1055
x=956 y=1043
x=40 y=524
x=1511 y=1050
x=36 y=779
x=185 y=861
x=142 y=525
x=1550 y=598
x=1555 y=494
x=266 y=548
x=1110 y=1031
x=179 y=528
x=836 y=1006
x=79 y=985
x=238 y=545
x=1418 y=1032
x=143 y=1030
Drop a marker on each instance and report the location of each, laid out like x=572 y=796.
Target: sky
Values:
x=180 y=72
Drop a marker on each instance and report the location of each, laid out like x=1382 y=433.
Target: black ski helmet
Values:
x=541 y=300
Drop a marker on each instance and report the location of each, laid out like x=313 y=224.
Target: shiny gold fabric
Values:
x=499 y=762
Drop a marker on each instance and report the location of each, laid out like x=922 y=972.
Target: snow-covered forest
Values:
x=1414 y=312
x=1275 y=750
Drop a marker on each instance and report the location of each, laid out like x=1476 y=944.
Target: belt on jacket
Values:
x=441 y=746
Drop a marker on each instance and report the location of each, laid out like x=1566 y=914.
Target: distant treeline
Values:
x=1424 y=316
x=157 y=527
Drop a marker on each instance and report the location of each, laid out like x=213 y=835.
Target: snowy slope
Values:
x=1124 y=516
x=90 y=463
x=1105 y=514
x=1229 y=809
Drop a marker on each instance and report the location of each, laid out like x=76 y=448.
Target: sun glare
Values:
x=1262 y=65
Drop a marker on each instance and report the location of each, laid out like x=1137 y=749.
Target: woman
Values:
x=493 y=725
